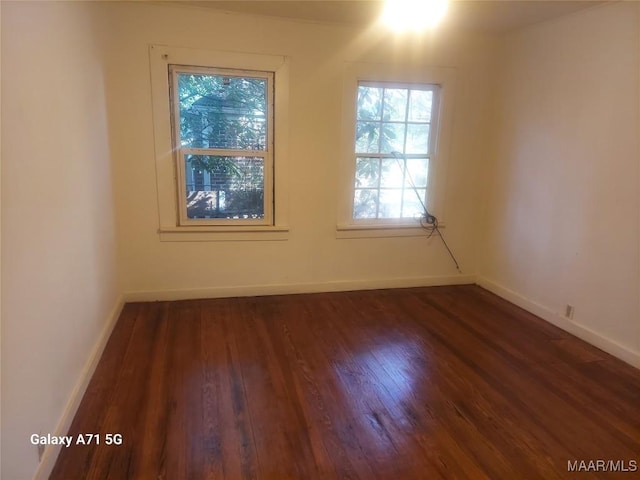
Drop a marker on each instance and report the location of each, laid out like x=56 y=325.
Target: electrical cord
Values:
x=430 y=222
x=427 y=220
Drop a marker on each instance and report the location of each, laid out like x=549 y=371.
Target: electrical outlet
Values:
x=568 y=311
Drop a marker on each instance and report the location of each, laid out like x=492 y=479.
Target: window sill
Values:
x=223 y=233
x=381 y=230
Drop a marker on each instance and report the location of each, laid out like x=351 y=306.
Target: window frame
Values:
x=356 y=74
x=181 y=152
x=431 y=146
x=170 y=227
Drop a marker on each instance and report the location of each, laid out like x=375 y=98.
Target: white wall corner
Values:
x=626 y=354
x=51 y=452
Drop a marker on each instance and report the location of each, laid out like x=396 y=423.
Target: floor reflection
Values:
x=382 y=387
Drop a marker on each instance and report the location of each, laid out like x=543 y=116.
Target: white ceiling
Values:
x=482 y=15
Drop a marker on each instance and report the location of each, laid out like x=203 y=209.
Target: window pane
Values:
x=412 y=204
x=390 y=202
x=417 y=172
x=367 y=137
x=224 y=187
x=218 y=111
x=417 y=138
x=365 y=202
x=369 y=103
x=392 y=120
x=392 y=173
x=367 y=172
x=392 y=137
x=395 y=104
x=420 y=104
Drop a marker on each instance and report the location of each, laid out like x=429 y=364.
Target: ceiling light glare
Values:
x=413 y=15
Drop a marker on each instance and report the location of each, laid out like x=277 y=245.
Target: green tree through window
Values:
x=392 y=119
x=224 y=142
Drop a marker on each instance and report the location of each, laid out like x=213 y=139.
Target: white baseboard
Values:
x=51 y=452
x=294 y=288
x=588 y=335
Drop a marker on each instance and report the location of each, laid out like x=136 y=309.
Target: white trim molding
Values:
x=160 y=58
x=445 y=80
x=588 y=335
x=295 y=288
x=51 y=452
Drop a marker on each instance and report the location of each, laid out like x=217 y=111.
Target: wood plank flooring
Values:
x=422 y=383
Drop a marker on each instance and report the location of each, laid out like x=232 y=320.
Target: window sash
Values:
x=181 y=152
x=182 y=188
x=428 y=154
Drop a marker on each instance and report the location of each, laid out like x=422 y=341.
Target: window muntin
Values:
x=223 y=139
x=393 y=118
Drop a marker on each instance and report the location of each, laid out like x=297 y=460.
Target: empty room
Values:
x=320 y=239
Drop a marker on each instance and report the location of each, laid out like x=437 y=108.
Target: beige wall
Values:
x=91 y=113
x=564 y=198
x=58 y=242
x=312 y=257
x=562 y=201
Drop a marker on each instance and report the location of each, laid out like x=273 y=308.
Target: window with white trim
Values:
x=218 y=118
x=395 y=136
x=395 y=141
x=223 y=142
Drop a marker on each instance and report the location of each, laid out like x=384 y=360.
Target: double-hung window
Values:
x=222 y=123
x=395 y=133
x=221 y=144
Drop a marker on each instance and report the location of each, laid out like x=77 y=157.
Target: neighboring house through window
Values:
x=219 y=118
x=223 y=141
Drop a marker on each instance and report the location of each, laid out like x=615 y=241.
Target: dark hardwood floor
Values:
x=423 y=383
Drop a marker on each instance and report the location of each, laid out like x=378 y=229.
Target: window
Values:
x=223 y=139
x=393 y=145
x=219 y=118
x=394 y=149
